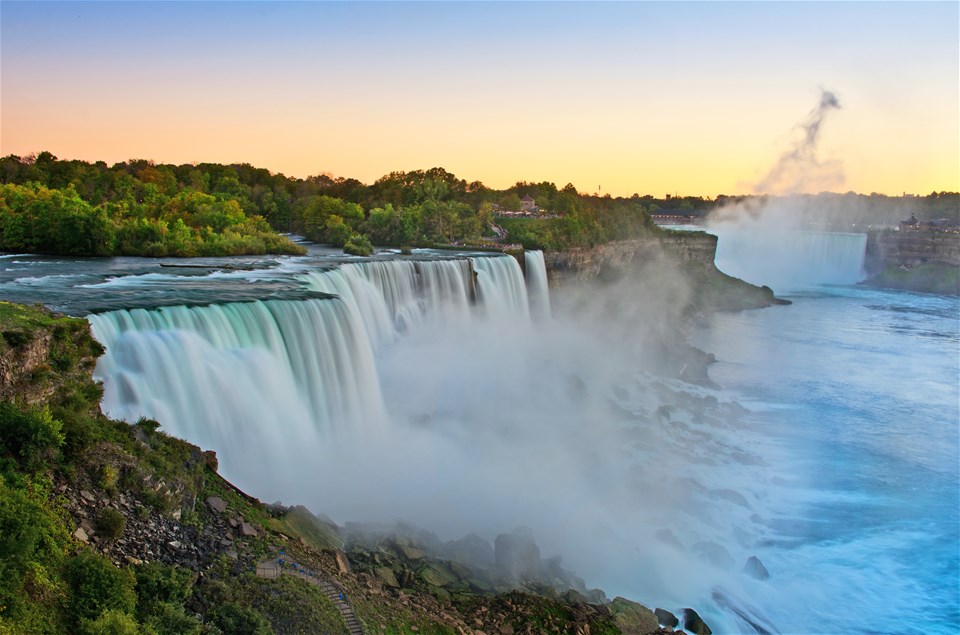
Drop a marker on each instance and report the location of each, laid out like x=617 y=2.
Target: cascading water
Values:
x=501 y=288
x=537 y=288
x=286 y=374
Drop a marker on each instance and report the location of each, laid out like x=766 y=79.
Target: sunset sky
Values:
x=653 y=98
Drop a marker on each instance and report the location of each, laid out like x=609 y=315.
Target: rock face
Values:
x=517 y=555
x=666 y=618
x=44 y=357
x=471 y=550
x=583 y=264
x=911 y=248
x=925 y=261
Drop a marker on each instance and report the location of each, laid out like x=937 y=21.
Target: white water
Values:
x=538 y=290
x=287 y=376
x=842 y=478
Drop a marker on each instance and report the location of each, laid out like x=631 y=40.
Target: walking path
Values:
x=278 y=566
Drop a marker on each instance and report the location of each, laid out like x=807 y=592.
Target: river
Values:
x=828 y=450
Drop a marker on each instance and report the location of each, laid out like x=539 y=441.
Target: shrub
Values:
x=158 y=583
x=358 y=245
x=112 y=622
x=110 y=523
x=237 y=620
x=32 y=436
x=171 y=619
x=97 y=585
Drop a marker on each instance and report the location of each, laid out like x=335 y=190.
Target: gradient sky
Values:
x=654 y=98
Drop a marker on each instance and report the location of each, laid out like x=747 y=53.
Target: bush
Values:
x=358 y=245
x=110 y=523
x=32 y=436
x=158 y=583
x=237 y=620
x=172 y=619
x=112 y=622
x=97 y=585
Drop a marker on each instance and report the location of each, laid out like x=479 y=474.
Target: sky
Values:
x=685 y=98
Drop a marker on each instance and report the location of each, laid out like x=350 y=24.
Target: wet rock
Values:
x=666 y=618
x=693 y=623
x=755 y=569
x=633 y=618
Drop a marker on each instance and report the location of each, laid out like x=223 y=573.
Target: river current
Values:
x=833 y=456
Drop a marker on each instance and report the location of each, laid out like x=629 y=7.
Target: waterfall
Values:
x=279 y=376
x=537 y=289
x=392 y=296
x=790 y=259
x=501 y=288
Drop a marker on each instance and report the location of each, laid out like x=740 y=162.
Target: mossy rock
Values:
x=437 y=575
x=633 y=618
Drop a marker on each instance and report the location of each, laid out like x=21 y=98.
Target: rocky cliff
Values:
x=687 y=254
x=693 y=249
x=925 y=261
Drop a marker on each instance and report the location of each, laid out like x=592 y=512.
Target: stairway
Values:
x=272 y=569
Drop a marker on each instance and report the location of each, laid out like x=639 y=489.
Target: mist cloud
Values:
x=799 y=169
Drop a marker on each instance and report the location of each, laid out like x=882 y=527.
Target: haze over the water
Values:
x=653 y=98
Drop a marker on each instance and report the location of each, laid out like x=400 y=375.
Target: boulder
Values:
x=693 y=623
x=633 y=618
x=81 y=535
x=386 y=575
x=517 y=555
x=343 y=564
x=666 y=618
x=247 y=529
x=755 y=569
x=217 y=504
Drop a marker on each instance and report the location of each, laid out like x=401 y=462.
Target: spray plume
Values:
x=799 y=169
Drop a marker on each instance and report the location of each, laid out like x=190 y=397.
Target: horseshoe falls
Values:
x=458 y=393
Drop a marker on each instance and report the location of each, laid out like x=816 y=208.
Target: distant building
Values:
x=527 y=204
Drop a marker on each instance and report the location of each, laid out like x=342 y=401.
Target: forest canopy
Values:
x=142 y=208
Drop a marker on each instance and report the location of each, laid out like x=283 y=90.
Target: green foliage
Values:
x=32 y=535
x=146 y=221
x=239 y=620
x=358 y=245
x=158 y=583
x=29 y=435
x=112 y=622
x=172 y=619
x=97 y=585
x=110 y=523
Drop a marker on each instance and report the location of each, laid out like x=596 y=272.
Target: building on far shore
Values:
x=938 y=225
x=527 y=204
x=673 y=219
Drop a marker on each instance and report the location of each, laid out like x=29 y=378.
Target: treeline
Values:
x=142 y=208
